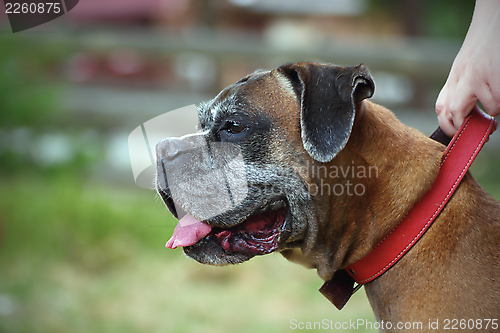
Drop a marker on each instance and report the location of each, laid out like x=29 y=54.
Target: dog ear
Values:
x=328 y=95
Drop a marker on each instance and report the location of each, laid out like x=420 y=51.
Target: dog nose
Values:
x=168 y=148
x=172 y=148
x=174 y=154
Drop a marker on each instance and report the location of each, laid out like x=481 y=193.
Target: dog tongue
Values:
x=187 y=232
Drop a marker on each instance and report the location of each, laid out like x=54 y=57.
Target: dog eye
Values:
x=233 y=127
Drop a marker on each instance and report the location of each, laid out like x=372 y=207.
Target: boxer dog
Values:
x=320 y=174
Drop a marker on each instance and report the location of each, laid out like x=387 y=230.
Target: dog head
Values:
x=244 y=179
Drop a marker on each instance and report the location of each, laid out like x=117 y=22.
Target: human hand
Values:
x=475 y=74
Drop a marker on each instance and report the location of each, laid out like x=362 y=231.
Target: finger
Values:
x=446 y=124
x=441 y=100
x=487 y=99
x=462 y=103
x=444 y=117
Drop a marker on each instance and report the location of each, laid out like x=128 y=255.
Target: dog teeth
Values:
x=272 y=206
x=261 y=210
x=276 y=205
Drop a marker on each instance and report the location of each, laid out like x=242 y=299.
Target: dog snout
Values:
x=166 y=150
x=174 y=156
x=169 y=148
x=181 y=159
x=172 y=148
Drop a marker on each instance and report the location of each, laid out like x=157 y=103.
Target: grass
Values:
x=86 y=257
x=80 y=256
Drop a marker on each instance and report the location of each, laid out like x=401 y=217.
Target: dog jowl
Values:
x=257 y=178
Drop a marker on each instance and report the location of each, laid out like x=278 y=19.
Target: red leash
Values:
x=459 y=155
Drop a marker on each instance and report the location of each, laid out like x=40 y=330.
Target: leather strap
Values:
x=457 y=158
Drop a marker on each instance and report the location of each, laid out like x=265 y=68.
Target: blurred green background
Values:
x=81 y=246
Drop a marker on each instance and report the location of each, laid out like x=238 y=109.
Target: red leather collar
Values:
x=457 y=158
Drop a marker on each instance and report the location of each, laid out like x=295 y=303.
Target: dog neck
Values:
x=407 y=162
x=397 y=164
x=458 y=252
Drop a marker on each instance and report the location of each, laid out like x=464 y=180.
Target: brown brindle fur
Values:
x=452 y=272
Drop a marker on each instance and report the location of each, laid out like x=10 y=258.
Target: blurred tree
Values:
x=26 y=98
x=448 y=18
x=444 y=18
x=30 y=102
